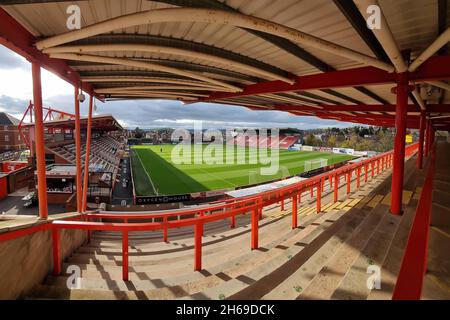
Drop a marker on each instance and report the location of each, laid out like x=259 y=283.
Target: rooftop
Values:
x=8 y=120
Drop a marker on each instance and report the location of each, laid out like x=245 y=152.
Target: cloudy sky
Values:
x=16 y=91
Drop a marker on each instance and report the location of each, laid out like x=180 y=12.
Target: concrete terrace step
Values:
x=354 y=283
x=264 y=239
x=291 y=286
x=192 y=281
x=252 y=283
x=230 y=269
x=337 y=276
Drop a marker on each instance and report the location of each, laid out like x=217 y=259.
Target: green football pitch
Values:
x=155 y=173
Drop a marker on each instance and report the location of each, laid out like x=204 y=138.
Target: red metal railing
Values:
x=414 y=263
x=199 y=216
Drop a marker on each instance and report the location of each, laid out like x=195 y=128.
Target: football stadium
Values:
x=224 y=150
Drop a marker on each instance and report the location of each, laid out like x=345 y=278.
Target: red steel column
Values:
x=39 y=140
x=88 y=151
x=421 y=140
x=399 y=143
x=78 y=150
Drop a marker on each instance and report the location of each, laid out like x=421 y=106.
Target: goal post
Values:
x=315 y=164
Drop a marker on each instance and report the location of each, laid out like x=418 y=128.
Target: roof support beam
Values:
x=167 y=50
x=335 y=79
x=438 y=108
x=436 y=68
x=384 y=35
x=281 y=43
x=181 y=44
x=144 y=65
x=15 y=37
x=351 y=12
x=212 y=17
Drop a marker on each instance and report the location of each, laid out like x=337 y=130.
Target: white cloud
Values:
x=16 y=91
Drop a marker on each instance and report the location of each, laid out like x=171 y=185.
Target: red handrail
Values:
x=414 y=264
x=253 y=204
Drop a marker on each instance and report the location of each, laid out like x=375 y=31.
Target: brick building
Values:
x=10 y=139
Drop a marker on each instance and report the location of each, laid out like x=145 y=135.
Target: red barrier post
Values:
x=372 y=169
x=233 y=221
x=349 y=176
x=282 y=202
x=319 y=198
x=56 y=252
x=358 y=177
x=366 y=170
x=336 y=185
x=294 y=212
x=378 y=166
x=165 y=230
x=255 y=227
x=198 y=233
x=125 y=255
x=312 y=192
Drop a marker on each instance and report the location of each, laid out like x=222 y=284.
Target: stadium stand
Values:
x=10 y=155
x=284 y=142
x=290 y=263
x=104 y=153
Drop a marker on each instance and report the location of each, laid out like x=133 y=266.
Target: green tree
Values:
x=138 y=133
x=332 y=141
x=310 y=140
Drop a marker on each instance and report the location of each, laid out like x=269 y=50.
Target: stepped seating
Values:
x=437 y=279
x=104 y=153
x=287 y=142
x=289 y=264
x=284 y=142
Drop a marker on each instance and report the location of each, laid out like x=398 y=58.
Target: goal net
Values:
x=315 y=164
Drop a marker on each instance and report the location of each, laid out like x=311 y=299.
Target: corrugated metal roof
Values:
x=413 y=24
